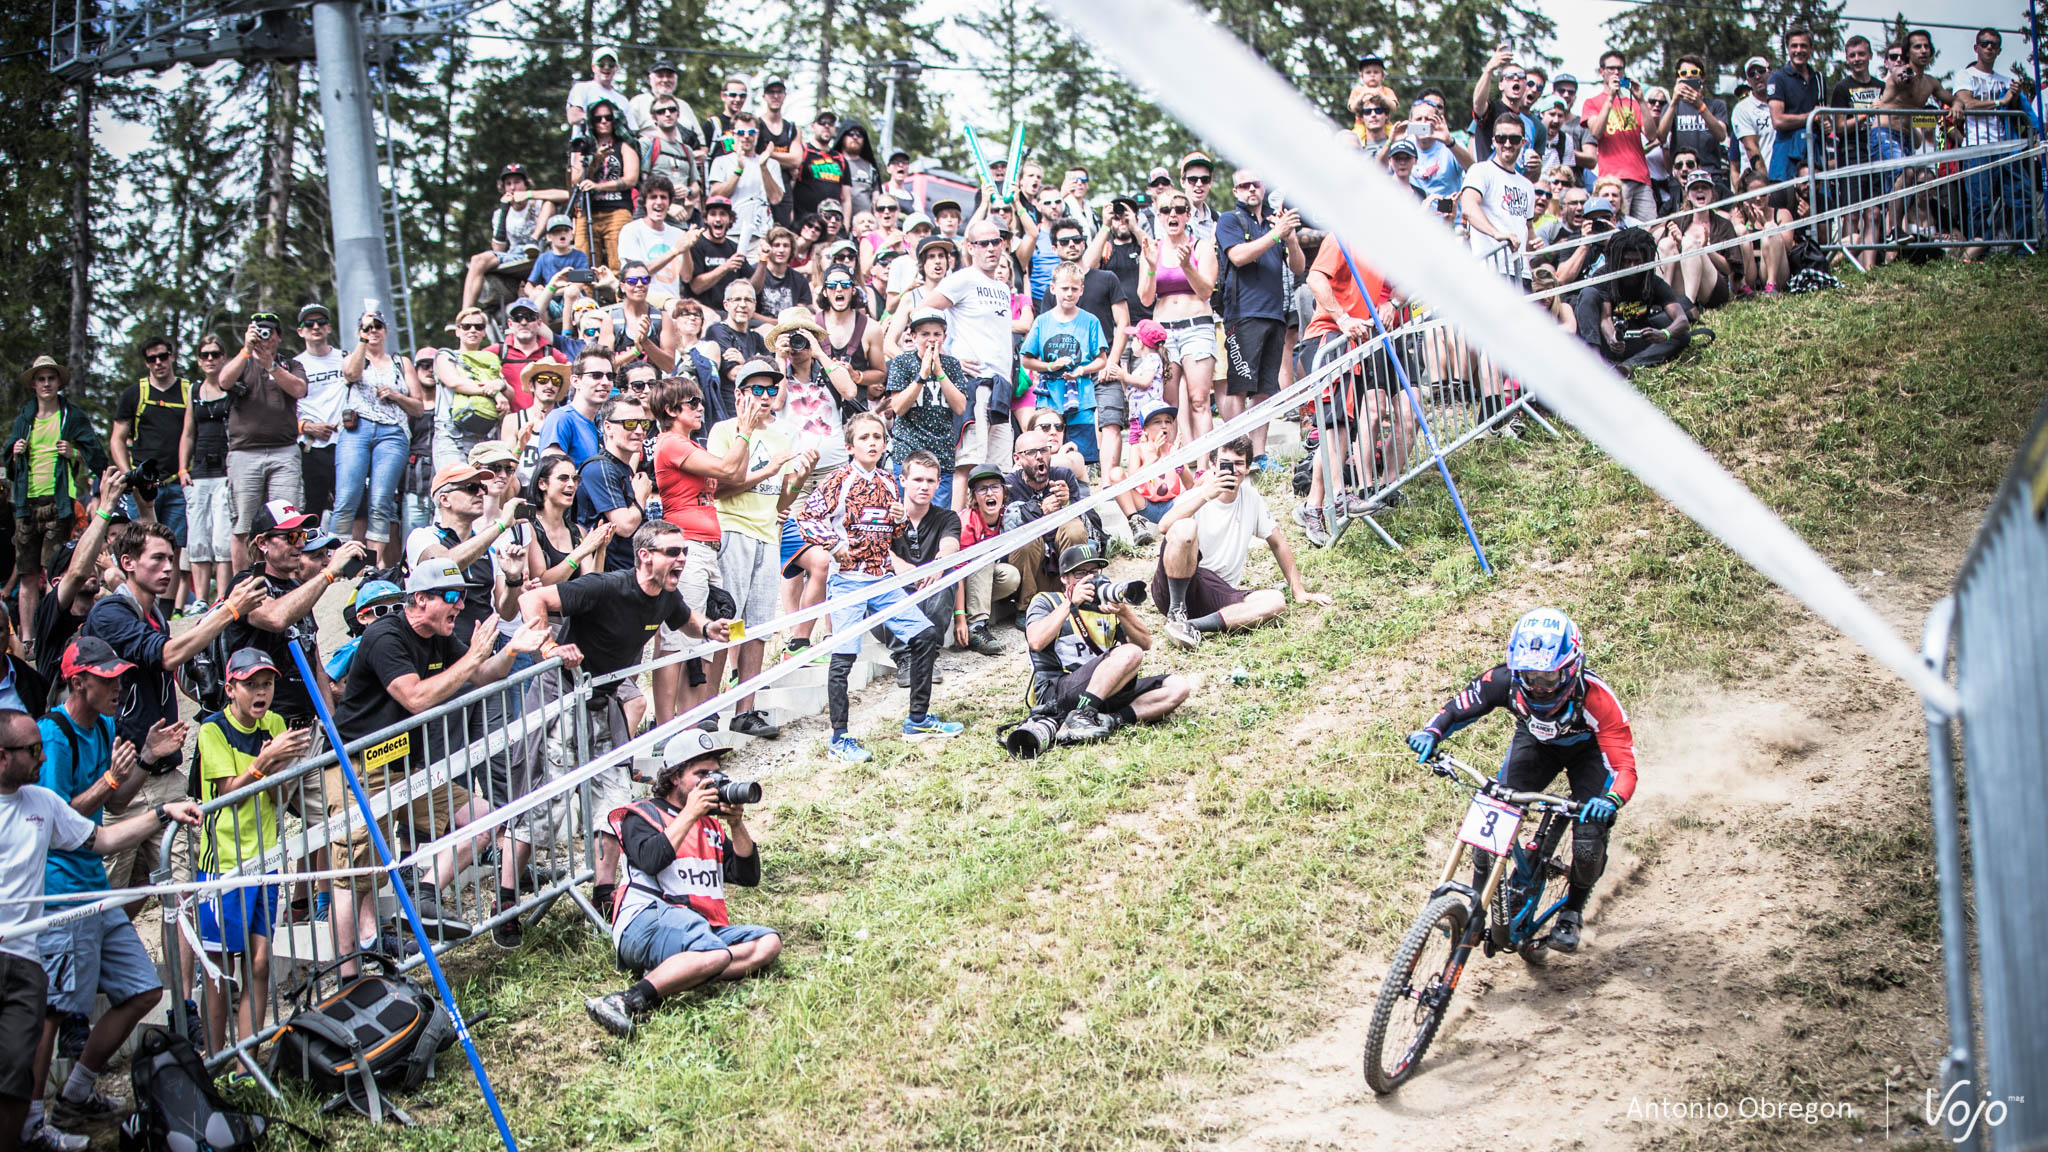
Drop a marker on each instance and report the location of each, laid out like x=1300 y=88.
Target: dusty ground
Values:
x=1693 y=984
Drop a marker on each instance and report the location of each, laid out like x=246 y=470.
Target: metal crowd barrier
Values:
x=491 y=744
x=1998 y=200
x=1371 y=444
x=1996 y=627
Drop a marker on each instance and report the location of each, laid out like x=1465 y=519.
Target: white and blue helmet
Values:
x=1547 y=660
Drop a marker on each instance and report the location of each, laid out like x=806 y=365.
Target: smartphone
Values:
x=298 y=722
x=353 y=565
x=580 y=276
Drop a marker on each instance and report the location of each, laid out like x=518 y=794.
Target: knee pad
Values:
x=1589 y=853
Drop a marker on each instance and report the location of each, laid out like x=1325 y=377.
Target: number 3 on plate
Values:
x=1490 y=825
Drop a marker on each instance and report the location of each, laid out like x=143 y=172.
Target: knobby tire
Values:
x=1442 y=922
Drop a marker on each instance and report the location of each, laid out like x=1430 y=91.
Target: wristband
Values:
x=233 y=612
x=257 y=771
x=162 y=817
x=111 y=780
x=329 y=573
x=103 y=514
x=959 y=611
x=504 y=525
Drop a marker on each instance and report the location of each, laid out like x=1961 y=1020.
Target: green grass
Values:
x=1065 y=953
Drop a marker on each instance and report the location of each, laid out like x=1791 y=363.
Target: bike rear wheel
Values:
x=1414 y=997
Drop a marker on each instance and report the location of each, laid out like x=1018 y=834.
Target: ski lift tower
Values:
x=89 y=39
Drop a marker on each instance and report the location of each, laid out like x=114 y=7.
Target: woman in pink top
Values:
x=1175 y=275
x=687 y=476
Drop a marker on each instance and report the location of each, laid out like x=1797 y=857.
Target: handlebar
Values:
x=1450 y=767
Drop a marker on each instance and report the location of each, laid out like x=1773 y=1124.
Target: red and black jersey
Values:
x=1595 y=715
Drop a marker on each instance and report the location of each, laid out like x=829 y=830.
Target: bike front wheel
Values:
x=1415 y=995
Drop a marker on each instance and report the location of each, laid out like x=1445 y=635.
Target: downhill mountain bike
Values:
x=1502 y=910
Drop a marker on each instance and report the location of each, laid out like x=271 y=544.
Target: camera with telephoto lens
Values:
x=583 y=145
x=1119 y=592
x=1031 y=737
x=144 y=478
x=731 y=791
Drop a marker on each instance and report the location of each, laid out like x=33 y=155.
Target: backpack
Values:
x=380 y=1030
x=203 y=676
x=1219 y=296
x=177 y=1108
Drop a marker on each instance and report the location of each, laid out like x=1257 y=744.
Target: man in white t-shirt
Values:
x=1751 y=122
x=1498 y=201
x=979 y=324
x=661 y=81
x=1997 y=196
x=604 y=69
x=653 y=241
x=751 y=179
x=1209 y=533
x=320 y=409
x=33 y=821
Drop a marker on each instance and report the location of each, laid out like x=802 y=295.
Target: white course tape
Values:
x=1253 y=115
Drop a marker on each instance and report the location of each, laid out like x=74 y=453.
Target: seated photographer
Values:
x=1209 y=533
x=1087 y=644
x=670 y=921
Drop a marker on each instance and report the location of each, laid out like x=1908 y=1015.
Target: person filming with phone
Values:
x=287 y=569
x=1209 y=533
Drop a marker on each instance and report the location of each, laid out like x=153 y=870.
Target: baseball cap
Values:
x=985 y=472
x=492 y=452
x=918 y=220
x=943 y=203
x=376 y=592
x=774 y=82
x=838 y=246
x=832 y=208
x=1365 y=58
x=753 y=368
x=1158 y=176
x=1194 y=158
x=559 y=220
x=898 y=154
x=1403 y=148
x=247 y=662
x=522 y=305
x=512 y=170
x=436 y=575
x=1700 y=176
x=321 y=538
x=930 y=242
x=1564 y=78
x=1150 y=333
x=1076 y=556
x=924 y=315
x=1756 y=62
x=1598 y=204
x=693 y=744
x=278 y=516
x=1549 y=102
x=825 y=116
x=724 y=202
x=1154 y=408
x=92 y=655
x=312 y=310
x=661 y=66
x=603 y=53
x=456 y=474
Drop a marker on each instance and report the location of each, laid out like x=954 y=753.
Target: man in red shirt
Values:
x=1342 y=315
x=1614 y=120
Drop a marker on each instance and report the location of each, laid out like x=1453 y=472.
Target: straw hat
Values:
x=796 y=319
x=42 y=362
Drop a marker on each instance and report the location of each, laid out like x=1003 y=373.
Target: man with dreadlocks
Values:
x=1638 y=319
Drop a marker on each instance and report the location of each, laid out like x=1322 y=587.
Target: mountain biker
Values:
x=1566 y=719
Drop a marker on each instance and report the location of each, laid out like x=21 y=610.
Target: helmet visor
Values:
x=1542 y=683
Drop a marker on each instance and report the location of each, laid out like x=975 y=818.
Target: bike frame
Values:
x=1519 y=858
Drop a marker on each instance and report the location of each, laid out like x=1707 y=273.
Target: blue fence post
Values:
x=412 y=914
x=1421 y=418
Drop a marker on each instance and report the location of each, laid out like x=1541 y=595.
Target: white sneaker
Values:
x=1180 y=631
x=48 y=1139
x=1315 y=528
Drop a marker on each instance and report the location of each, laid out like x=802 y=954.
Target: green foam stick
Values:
x=988 y=179
x=1014 y=166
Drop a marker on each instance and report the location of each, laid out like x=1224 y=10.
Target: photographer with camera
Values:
x=263 y=427
x=294 y=580
x=1086 y=645
x=1639 y=319
x=608 y=618
x=149 y=421
x=682 y=846
x=1039 y=488
x=1209 y=533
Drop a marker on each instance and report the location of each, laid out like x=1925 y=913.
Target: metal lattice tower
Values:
x=340 y=37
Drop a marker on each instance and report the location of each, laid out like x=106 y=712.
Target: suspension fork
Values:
x=1475 y=923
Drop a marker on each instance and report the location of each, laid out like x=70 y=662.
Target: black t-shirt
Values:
x=1853 y=93
x=54 y=628
x=1074 y=646
x=292 y=699
x=611 y=618
x=1121 y=260
x=919 y=540
x=1689 y=132
x=707 y=254
x=1100 y=289
x=750 y=344
x=780 y=142
x=1629 y=312
x=820 y=176
x=1786 y=198
x=789 y=290
x=1482 y=131
x=391 y=649
x=159 y=428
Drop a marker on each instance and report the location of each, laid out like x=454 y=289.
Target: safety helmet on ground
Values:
x=1547 y=660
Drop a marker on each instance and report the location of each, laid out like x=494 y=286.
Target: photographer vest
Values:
x=695 y=879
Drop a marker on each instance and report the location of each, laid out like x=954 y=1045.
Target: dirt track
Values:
x=1687 y=988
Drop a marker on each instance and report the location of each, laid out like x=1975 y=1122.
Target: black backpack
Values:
x=380 y=1030
x=204 y=675
x=177 y=1108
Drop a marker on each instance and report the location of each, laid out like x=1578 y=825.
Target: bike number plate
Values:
x=1490 y=825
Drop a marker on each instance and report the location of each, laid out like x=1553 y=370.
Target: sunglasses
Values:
x=694 y=402
x=597 y=375
x=1065 y=240
x=315 y=322
x=502 y=468
x=672 y=551
x=211 y=353
x=1198 y=179
x=377 y=611
x=290 y=536
x=740 y=95
x=637 y=281
x=765 y=389
x=830 y=285
x=997 y=242
x=451 y=596
x=1248 y=184
x=667 y=111
x=1688 y=73
x=471 y=326
x=472 y=488
x=1987 y=43
x=1375 y=111
x=746 y=132
x=1507 y=141
x=157 y=358
x=637 y=385
x=641 y=426
x=1181 y=211
x=1653 y=101
x=604 y=120
x=35 y=750
x=378 y=325
x=550 y=381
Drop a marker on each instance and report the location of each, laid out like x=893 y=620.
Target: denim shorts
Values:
x=97 y=954
x=659 y=933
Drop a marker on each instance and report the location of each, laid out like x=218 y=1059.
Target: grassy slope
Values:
x=985 y=954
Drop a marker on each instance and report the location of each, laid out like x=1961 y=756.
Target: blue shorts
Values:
x=1155 y=510
x=97 y=954
x=1081 y=434
x=661 y=932
x=793 y=545
x=903 y=625
x=230 y=918
x=1885 y=144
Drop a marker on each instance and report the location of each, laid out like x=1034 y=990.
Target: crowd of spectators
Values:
x=737 y=365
